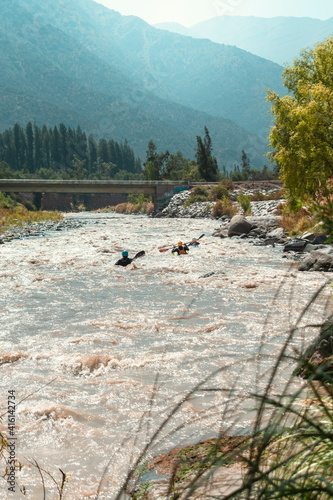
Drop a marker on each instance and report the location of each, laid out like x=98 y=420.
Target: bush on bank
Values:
x=136 y=204
x=13 y=214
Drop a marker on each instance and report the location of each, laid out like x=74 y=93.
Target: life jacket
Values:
x=182 y=252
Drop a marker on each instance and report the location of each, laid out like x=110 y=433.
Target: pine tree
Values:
x=92 y=153
x=30 y=148
x=46 y=147
x=64 y=150
x=207 y=163
x=38 y=156
x=103 y=152
x=246 y=170
x=55 y=147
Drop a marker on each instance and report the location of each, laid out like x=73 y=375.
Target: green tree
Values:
x=103 y=152
x=38 y=154
x=30 y=147
x=55 y=146
x=302 y=135
x=5 y=171
x=177 y=167
x=246 y=169
x=154 y=165
x=207 y=163
x=92 y=153
x=64 y=149
x=18 y=146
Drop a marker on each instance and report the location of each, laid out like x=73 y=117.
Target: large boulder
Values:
x=317 y=361
x=238 y=226
x=296 y=245
x=317 y=261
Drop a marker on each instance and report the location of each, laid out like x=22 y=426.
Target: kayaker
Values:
x=125 y=260
x=181 y=249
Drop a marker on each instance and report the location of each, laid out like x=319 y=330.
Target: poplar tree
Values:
x=30 y=148
x=302 y=135
x=207 y=163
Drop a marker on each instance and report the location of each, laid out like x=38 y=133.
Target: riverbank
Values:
x=47 y=222
x=16 y=219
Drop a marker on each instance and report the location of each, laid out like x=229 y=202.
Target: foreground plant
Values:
x=287 y=455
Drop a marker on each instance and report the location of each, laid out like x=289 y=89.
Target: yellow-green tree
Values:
x=302 y=135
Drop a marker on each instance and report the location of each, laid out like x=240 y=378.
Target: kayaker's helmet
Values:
x=180 y=243
x=125 y=253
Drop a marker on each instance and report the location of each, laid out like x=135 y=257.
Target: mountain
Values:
x=118 y=77
x=279 y=39
x=216 y=79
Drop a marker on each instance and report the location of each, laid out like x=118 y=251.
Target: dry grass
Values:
x=19 y=216
x=224 y=207
x=296 y=222
x=146 y=207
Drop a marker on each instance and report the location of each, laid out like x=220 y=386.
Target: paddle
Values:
x=207 y=275
x=168 y=248
x=211 y=274
x=139 y=254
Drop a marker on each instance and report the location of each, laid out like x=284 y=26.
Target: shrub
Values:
x=218 y=193
x=276 y=195
x=6 y=201
x=121 y=208
x=148 y=207
x=224 y=207
x=245 y=202
x=228 y=184
x=29 y=206
x=258 y=196
x=200 y=191
x=130 y=208
x=295 y=218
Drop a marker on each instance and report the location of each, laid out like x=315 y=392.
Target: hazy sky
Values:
x=189 y=12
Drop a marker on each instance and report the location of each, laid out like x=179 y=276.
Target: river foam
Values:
x=101 y=354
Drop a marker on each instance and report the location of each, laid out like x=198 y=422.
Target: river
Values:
x=99 y=354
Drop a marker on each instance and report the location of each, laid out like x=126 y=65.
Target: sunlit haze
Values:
x=189 y=12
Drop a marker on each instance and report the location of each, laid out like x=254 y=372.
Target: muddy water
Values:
x=100 y=355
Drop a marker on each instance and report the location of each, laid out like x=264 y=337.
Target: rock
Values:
x=222 y=233
x=320 y=239
x=257 y=232
x=310 y=247
x=266 y=242
x=296 y=245
x=317 y=261
x=277 y=234
x=308 y=236
x=318 y=355
x=238 y=226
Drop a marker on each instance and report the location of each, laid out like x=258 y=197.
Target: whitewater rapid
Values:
x=99 y=354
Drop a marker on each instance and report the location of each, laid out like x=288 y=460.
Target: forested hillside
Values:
x=117 y=77
x=220 y=80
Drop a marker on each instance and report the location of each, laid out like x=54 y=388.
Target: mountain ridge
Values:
x=278 y=39
x=54 y=74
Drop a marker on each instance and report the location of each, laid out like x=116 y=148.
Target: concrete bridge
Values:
x=157 y=188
